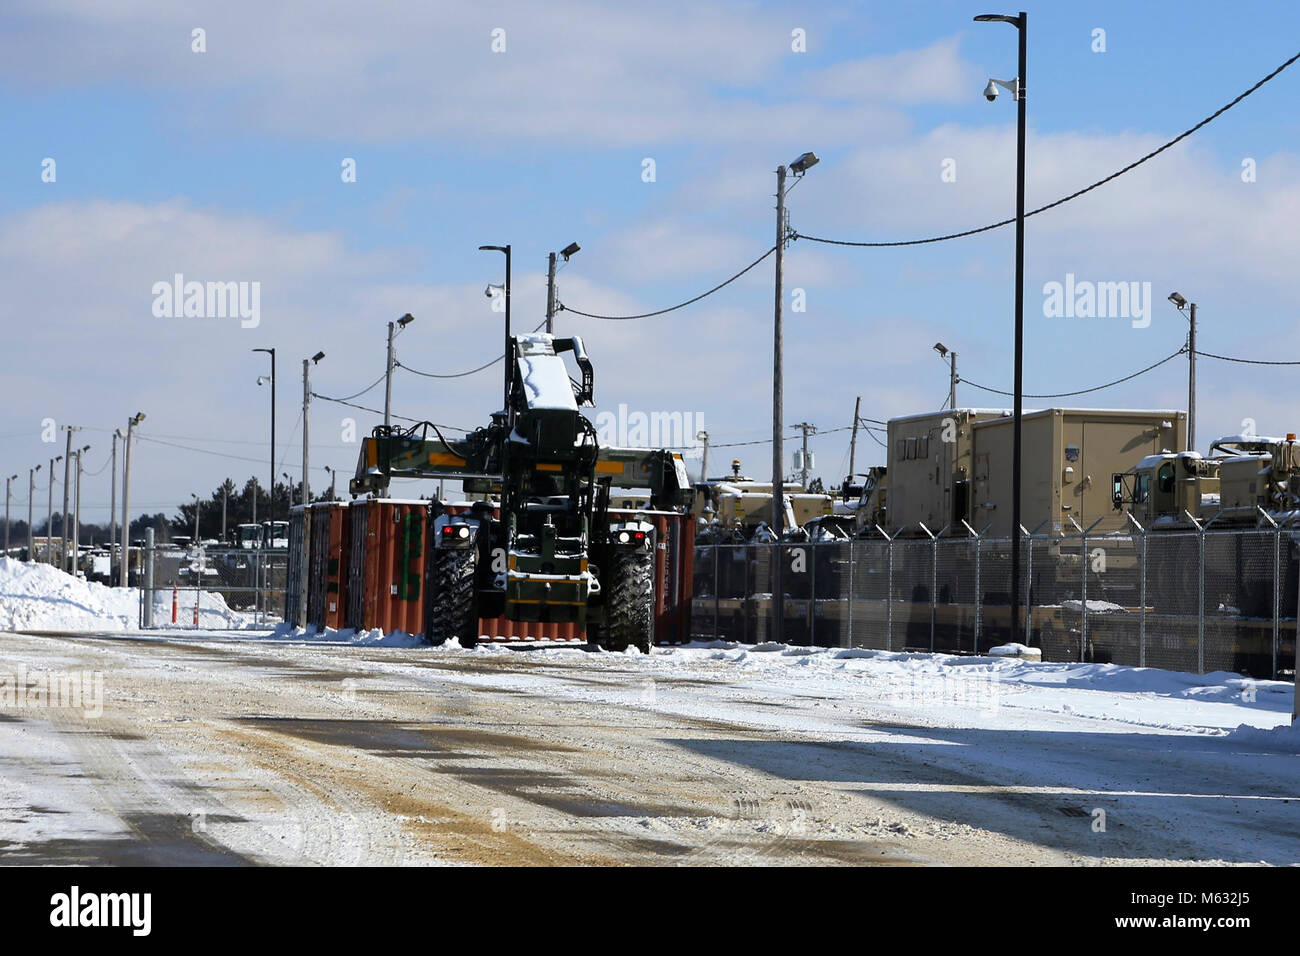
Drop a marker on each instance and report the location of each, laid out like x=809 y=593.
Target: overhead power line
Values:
x=1074 y=195
x=355 y=394
x=955 y=235
x=473 y=371
x=1082 y=391
x=1243 y=361
x=673 y=308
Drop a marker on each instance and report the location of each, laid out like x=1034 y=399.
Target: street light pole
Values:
x=112 y=506
x=1021 y=23
x=506 y=250
x=67 y=474
x=393 y=327
x=270 y=491
x=778 y=414
x=306 y=486
x=7 y=481
x=1181 y=303
x=49 y=515
x=799 y=167
x=76 y=514
x=31 y=497
x=567 y=252
x=131 y=422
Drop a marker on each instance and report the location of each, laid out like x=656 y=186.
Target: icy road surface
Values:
x=233 y=748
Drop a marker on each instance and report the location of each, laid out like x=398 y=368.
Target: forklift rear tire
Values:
x=629 y=607
x=451 y=596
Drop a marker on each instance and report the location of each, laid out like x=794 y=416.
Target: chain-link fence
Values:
x=212 y=587
x=1191 y=600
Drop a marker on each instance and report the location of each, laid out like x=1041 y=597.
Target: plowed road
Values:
x=213 y=751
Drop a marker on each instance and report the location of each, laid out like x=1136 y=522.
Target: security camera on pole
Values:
x=1017 y=88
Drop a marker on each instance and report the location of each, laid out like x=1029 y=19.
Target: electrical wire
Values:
x=680 y=305
x=473 y=371
x=1228 y=358
x=356 y=394
x=793 y=235
x=1082 y=391
x=1074 y=195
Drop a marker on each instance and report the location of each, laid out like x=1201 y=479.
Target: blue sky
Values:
x=225 y=165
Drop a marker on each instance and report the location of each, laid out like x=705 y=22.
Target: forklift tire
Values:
x=451 y=597
x=629 y=606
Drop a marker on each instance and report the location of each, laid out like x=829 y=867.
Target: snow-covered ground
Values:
x=38 y=597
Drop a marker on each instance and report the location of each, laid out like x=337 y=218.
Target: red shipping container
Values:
x=386 y=577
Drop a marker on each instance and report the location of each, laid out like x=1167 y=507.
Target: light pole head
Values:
x=1178 y=301
x=941 y=349
x=406 y=320
x=315 y=359
x=1016 y=22
x=805 y=162
x=569 y=251
x=137 y=418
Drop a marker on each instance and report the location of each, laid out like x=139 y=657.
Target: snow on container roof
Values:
x=997 y=414
x=546 y=381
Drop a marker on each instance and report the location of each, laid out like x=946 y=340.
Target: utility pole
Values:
x=704 y=458
x=853 y=443
x=31 y=497
x=306 y=486
x=550 y=295
x=67 y=470
x=225 y=497
x=803 y=458
x=7 y=481
x=197 y=503
x=1191 y=380
x=131 y=422
x=49 y=515
x=76 y=515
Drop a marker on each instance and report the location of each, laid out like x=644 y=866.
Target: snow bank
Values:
x=371 y=638
x=1285 y=738
x=38 y=597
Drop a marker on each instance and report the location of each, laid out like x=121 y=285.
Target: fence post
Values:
x=1027 y=590
x=812 y=596
x=978 y=603
x=889 y=589
x=1200 y=594
x=1277 y=592
x=1142 y=590
x=716 y=589
x=848 y=627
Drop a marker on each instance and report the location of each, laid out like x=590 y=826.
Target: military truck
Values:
x=738 y=508
x=1247 y=482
